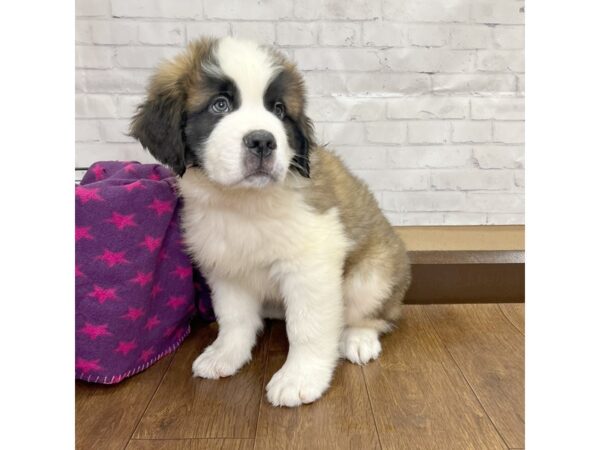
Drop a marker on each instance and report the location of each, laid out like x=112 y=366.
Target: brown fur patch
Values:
x=158 y=121
x=182 y=76
x=375 y=242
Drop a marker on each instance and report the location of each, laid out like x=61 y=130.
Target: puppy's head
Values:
x=231 y=108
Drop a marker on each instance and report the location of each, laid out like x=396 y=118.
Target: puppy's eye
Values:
x=279 y=110
x=221 y=105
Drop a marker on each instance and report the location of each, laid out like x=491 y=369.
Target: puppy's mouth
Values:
x=260 y=173
x=258 y=178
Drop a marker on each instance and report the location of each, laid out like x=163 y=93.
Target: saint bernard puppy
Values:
x=277 y=224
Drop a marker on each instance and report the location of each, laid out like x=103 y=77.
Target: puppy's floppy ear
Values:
x=305 y=139
x=158 y=122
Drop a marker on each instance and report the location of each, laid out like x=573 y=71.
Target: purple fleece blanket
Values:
x=136 y=289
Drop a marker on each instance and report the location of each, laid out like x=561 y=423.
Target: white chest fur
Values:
x=244 y=234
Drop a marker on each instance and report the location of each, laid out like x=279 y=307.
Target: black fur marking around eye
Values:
x=199 y=124
x=223 y=86
x=298 y=129
x=275 y=91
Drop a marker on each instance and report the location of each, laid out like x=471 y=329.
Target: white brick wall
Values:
x=424 y=100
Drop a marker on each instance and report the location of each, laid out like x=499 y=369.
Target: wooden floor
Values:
x=450 y=377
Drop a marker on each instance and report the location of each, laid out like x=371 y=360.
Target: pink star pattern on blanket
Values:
x=147 y=354
x=83 y=233
x=99 y=171
x=87 y=194
x=132 y=186
x=94 y=331
x=154 y=176
x=182 y=272
x=175 y=301
x=125 y=347
x=87 y=365
x=130 y=167
x=122 y=221
x=133 y=314
x=169 y=331
x=152 y=322
x=142 y=278
x=161 y=207
x=103 y=294
x=134 y=283
x=112 y=258
x=151 y=243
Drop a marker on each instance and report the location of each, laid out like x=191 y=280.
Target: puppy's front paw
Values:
x=216 y=362
x=360 y=345
x=293 y=387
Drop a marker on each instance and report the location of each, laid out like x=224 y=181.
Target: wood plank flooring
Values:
x=450 y=377
x=107 y=415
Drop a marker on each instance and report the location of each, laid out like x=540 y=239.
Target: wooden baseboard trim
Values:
x=483 y=264
x=467 y=257
x=466 y=283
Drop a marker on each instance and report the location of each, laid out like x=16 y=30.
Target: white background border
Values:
x=37 y=245
x=36 y=321
x=563 y=270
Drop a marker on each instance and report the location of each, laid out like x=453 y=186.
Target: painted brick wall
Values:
x=423 y=99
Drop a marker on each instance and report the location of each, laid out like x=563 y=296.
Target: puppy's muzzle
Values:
x=260 y=146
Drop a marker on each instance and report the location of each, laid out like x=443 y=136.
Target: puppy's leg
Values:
x=314 y=320
x=238 y=314
x=373 y=293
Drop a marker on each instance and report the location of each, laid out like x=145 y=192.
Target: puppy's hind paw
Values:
x=360 y=345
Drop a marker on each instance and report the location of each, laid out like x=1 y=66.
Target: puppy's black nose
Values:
x=260 y=143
